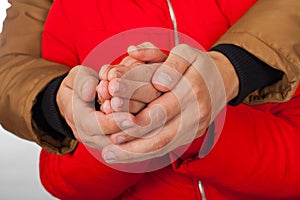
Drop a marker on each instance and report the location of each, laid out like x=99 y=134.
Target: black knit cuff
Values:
x=253 y=73
x=46 y=112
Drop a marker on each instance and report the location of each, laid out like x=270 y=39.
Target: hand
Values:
x=76 y=102
x=127 y=87
x=184 y=112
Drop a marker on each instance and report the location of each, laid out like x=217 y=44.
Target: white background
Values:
x=19 y=179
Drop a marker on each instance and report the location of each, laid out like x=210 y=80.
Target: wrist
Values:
x=47 y=114
x=228 y=74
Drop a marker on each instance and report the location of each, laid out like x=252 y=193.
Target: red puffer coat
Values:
x=256 y=156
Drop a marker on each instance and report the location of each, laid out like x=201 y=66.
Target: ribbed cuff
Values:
x=253 y=73
x=46 y=112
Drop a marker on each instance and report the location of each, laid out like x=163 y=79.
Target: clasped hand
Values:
x=151 y=103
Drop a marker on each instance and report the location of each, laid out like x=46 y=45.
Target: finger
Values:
x=118 y=71
x=130 y=61
x=176 y=133
x=154 y=145
x=100 y=123
x=102 y=91
x=190 y=93
x=152 y=118
x=92 y=122
x=106 y=107
x=84 y=81
x=142 y=72
x=103 y=72
x=124 y=105
x=134 y=151
x=122 y=121
x=96 y=142
x=171 y=71
x=134 y=90
x=146 y=52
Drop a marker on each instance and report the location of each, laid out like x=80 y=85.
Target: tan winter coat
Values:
x=270 y=30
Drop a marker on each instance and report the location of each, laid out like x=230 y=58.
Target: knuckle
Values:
x=181 y=49
x=113 y=74
x=148 y=98
x=183 y=46
x=113 y=71
x=153 y=94
x=147 y=45
x=116 y=81
x=159 y=145
x=135 y=107
x=174 y=65
x=205 y=113
x=114 y=86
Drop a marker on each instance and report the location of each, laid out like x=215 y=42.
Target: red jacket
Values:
x=256 y=154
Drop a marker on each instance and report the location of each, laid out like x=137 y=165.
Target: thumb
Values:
x=85 y=82
x=146 y=52
x=171 y=71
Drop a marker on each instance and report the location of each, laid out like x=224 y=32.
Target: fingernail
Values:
x=163 y=79
x=132 y=48
x=127 y=124
x=121 y=139
x=116 y=102
x=85 y=89
x=113 y=88
x=117 y=88
x=103 y=70
x=109 y=157
x=100 y=89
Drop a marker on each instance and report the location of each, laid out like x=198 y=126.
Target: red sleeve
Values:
x=234 y=9
x=257 y=152
x=58 y=37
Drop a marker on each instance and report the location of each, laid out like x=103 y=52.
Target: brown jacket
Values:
x=24 y=74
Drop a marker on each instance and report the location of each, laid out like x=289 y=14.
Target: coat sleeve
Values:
x=20 y=49
x=270 y=31
x=23 y=74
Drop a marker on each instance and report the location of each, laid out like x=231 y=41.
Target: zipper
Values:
x=174 y=21
x=201 y=189
x=176 y=40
